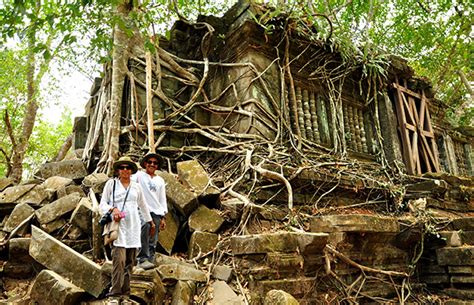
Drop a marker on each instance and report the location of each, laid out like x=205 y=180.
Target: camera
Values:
x=106 y=218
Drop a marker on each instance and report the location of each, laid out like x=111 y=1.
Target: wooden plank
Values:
x=415 y=155
x=406 y=90
x=404 y=132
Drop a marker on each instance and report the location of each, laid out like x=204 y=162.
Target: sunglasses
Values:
x=124 y=167
x=153 y=162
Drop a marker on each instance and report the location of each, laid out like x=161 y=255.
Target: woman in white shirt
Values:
x=123 y=197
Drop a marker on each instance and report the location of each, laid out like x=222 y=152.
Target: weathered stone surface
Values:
x=232 y=208
x=82 y=215
x=18 y=250
x=461 y=294
x=461 y=269
x=35 y=196
x=4 y=183
x=464 y=223
x=467 y=237
x=56 y=182
x=67 y=190
x=202 y=242
x=161 y=259
x=13 y=193
x=284 y=261
x=205 y=220
x=457 y=279
x=51 y=288
x=20 y=212
x=73 y=169
x=435 y=279
x=278 y=242
x=183 y=293
x=301 y=288
x=452 y=238
x=181 y=198
x=20 y=270
x=95 y=182
x=193 y=176
x=167 y=237
x=428 y=186
x=146 y=285
x=57 y=208
x=53 y=225
x=181 y=273
x=455 y=256
x=54 y=255
x=222 y=272
x=279 y=297
x=353 y=223
x=74 y=233
x=224 y=295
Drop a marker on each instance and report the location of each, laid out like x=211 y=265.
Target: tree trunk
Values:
x=120 y=57
x=21 y=144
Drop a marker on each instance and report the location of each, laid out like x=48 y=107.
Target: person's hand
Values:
x=152 y=228
x=116 y=214
x=162 y=224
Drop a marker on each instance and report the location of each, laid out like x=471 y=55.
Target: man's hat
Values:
x=126 y=160
x=148 y=156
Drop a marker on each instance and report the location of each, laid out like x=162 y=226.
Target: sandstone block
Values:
x=67 y=190
x=279 y=297
x=222 y=272
x=18 y=250
x=51 y=288
x=13 y=193
x=193 y=176
x=224 y=295
x=57 y=208
x=56 y=182
x=178 y=195
x=82 y=215
x=455 y=256
x=147 y=287
x=205 y=220
x=54 y=225
x=464 y=223
x=72 y=169
x=353 y=223
x=4 y=183
x=452 y=238
x=232 y=208
x=167 y=237
x=202 y=242
x=278 y=242
x=21 y=212
x=458 y=279
x=95 y=182
x=68 y=263
x=179 y=272
x=183 y=293
x=461 y=270
x=161 y=259
x=35 y=196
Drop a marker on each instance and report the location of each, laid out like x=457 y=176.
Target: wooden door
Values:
x=420 y=153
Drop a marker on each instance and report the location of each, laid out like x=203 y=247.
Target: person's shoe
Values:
x=146 y=265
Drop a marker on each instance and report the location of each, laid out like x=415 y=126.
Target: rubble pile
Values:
x=229 y=252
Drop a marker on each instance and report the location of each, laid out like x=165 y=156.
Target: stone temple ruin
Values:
x=288 y=180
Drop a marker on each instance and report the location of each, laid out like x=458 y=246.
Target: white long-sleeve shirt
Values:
x=129 y=227
x=154 y=192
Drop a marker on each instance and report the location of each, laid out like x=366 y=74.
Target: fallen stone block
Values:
x=452 y=238
x=222 y=272
x=72 y=169
x=56 y=182
x=177 y=272
x=146 y=286
x=455 y=256
x=178 y=195
x=19 y=214
x=167 y=237
x=13 y=193
x=193 y=176
x=18 y=250
x=428 y=186
x=279 y=297
x=278 y=242
x=222 y=294
x=82 y=215
x=57 y=208
x=95 y=182
x=201 y=243
x=232 y=208
x=20 y=270
x=161 y=259
x=183 y=293
x=353 y=223
x=205 y=220
x=67 y=190
x=51 y=288
x=4 y=183
x=54 y=225
x=36 y=196
x=68 y=263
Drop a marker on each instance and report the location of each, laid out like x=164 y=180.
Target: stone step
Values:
x=455 y=256
x=353 y=223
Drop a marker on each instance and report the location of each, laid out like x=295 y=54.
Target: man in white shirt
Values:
x=154 y=193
